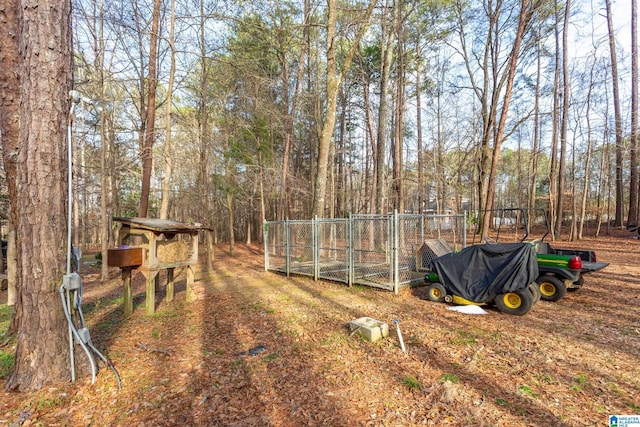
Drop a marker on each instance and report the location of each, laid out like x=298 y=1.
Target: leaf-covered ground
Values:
x=569 y=363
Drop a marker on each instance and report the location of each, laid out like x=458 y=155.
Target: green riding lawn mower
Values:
x=489 y=273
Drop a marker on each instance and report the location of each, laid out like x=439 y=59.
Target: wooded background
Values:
x=229 y=113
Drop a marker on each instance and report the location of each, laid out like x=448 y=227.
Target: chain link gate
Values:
x=333 y=249
x=372 y=250
x=382 y=251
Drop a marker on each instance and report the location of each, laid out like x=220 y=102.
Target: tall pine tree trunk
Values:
x=105 y=145
x=553 y=168
x=562 y=163
x=44 y=70
x=9 y=125
x=388 y=31
x=634 y=200
x=202 y=180
x=147 y=149
x=513 y=61
x=533 y=171
x=419 y=133
x=398 y=180
x=619 y=208
x=334 y=80
x=168 y=161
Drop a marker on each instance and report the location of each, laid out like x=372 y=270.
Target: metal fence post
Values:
x=350 y=256
x=315 y=243
x=396 y=243
x=287 y=247
x=464 y=229
x=265 y=235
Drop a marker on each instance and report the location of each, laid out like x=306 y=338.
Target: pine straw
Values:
x=570 y=363
x=174 y=251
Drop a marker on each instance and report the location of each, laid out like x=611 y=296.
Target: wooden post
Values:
x=210 y=254
x=169 y=284
x=190 y=280
x=128 y=297
x=151 y=277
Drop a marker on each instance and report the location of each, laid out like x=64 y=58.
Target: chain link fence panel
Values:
x=383 y=251
x=301 y=248
x=333 y=249
x=372 y=250
x=276 y=247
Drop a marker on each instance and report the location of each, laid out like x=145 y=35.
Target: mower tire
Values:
x=517 y=303
x=535 y=291
x=551 y=288
x=436 y=292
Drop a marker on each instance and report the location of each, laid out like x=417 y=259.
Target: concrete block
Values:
x=369 y=329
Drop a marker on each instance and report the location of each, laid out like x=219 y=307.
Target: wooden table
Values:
x=150 y=245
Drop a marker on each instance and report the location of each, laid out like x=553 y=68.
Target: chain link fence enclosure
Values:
x=382 y=251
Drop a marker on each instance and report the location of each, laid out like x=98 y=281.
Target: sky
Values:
x=590 y=18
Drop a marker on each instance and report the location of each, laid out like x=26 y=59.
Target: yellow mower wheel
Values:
x=517 y=303
x=512 y=300
x=436 y=292
x=551 y=288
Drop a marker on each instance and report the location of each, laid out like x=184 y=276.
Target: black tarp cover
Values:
x=480 y=272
